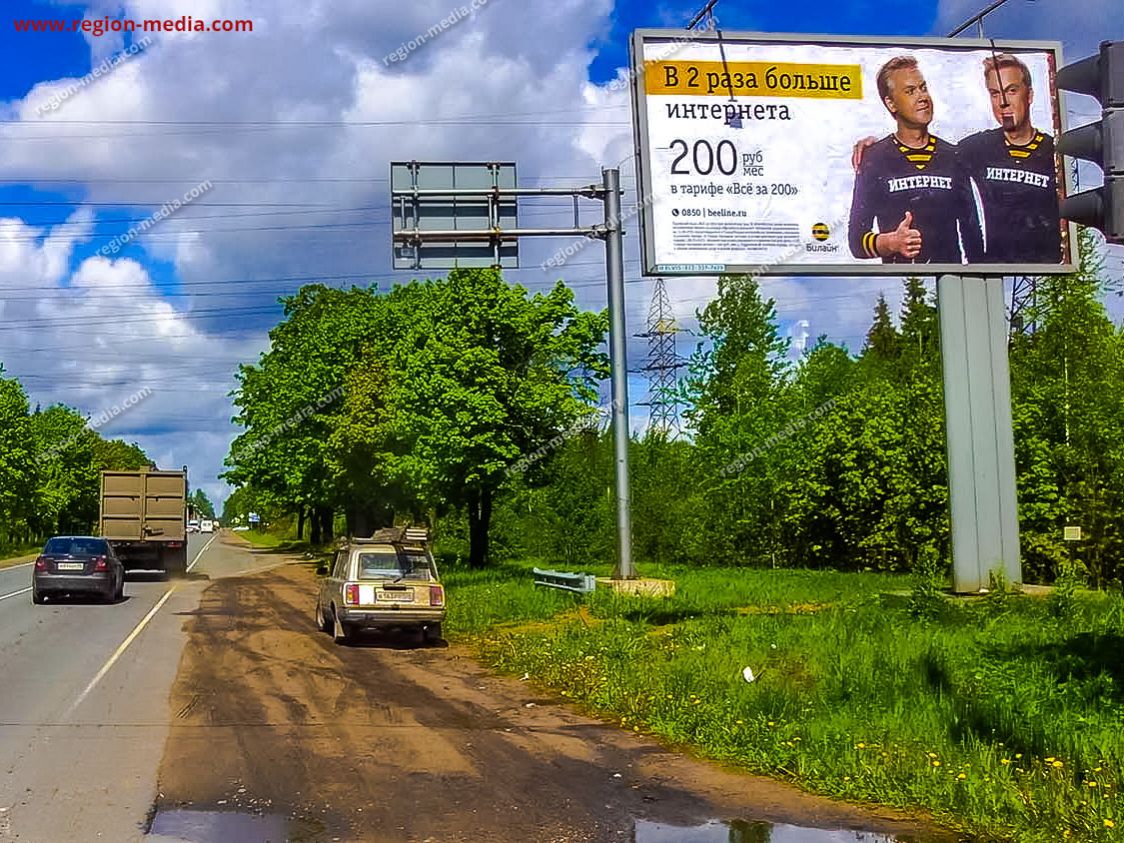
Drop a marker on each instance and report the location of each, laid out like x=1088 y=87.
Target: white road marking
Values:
x=15 y=593
x=20 y=565
x=119 y=652
x=201 y=552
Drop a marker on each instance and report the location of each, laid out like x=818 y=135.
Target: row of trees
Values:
x=839 y=460
x=50 y=461
x=413 y=404
x=436 y=401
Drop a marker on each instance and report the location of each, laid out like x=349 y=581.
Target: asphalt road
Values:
x=210 y=709
x=280 y=734
x=84 y=700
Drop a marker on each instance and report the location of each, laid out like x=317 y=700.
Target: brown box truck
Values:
x=144 y=517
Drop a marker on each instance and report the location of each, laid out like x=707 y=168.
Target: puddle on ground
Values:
x=740 y=831
x=233 y=827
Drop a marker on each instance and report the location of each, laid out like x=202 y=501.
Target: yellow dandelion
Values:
x=1018 y=755
x=1005 y=761
x=1096 y=769
x=740 y=722
x=771 y=723
x=1109 y=824
x=1050 y=760
x=936 y=763
x=962 y=776
x=1092 y=784
x=636 y=728
x=1058 y=764
x=860 y=746
x=932 y=755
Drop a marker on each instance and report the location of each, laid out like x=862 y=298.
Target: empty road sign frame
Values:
x=446 y=196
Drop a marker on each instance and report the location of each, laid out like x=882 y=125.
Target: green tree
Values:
x=67 y=480
x=17 y=463
x=883 y=343
x=201 y=503
x=1069 y=423
x=920 y=331
x=288 y=401
x=484 y=376
x=738 y=386
x=117 y=455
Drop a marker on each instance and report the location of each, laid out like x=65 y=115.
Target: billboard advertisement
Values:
x=826 y=155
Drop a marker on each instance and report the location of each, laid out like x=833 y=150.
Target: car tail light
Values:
x=99 y=564
x=41 y=563
x=436 y=595
x=351 y=594
x=175 y=544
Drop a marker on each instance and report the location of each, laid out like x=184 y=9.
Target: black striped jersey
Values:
x=1019 y=189
x=932 y=184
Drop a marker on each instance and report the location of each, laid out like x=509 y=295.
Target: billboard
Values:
x=826 y=155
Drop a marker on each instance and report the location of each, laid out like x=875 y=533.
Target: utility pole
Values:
x=618 y=364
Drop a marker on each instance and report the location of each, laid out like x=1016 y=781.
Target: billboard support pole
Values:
x=618 y=366
x=979 y=432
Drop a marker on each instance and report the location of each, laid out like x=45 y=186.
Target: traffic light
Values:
x=1100 y=76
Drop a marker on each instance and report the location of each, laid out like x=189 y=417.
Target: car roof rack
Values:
x=395 y=535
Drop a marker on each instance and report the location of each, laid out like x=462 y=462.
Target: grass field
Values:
x=16 y=554
x=260 y=538
x=1003 y=716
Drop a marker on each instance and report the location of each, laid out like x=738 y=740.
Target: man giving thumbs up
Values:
x=912 y=201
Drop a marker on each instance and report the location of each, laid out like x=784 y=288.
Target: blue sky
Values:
x=176 y=310
x=896 y=17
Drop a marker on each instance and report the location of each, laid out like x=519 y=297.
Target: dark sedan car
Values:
x=77 y=565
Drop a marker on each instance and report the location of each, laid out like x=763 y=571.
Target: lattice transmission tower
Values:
x=663 y=365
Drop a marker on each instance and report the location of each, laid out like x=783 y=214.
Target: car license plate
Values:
x=396 y=596
x=71 y=566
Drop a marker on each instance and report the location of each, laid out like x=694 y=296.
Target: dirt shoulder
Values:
x=391 y=741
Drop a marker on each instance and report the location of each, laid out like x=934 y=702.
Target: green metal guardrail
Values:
x=577 y=583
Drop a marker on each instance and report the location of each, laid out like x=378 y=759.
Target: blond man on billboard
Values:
x=1015 y=171
x=912 y=199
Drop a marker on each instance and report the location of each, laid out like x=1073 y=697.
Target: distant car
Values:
x=193 y=526
x=77 y=565
x=387 y=581
x=206 y=526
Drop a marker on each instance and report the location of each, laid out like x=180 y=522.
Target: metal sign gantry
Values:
x=418 y=207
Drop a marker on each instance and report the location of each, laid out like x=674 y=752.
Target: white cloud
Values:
x=514 y=74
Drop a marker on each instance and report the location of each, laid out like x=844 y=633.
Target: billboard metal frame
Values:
x=650 y=268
